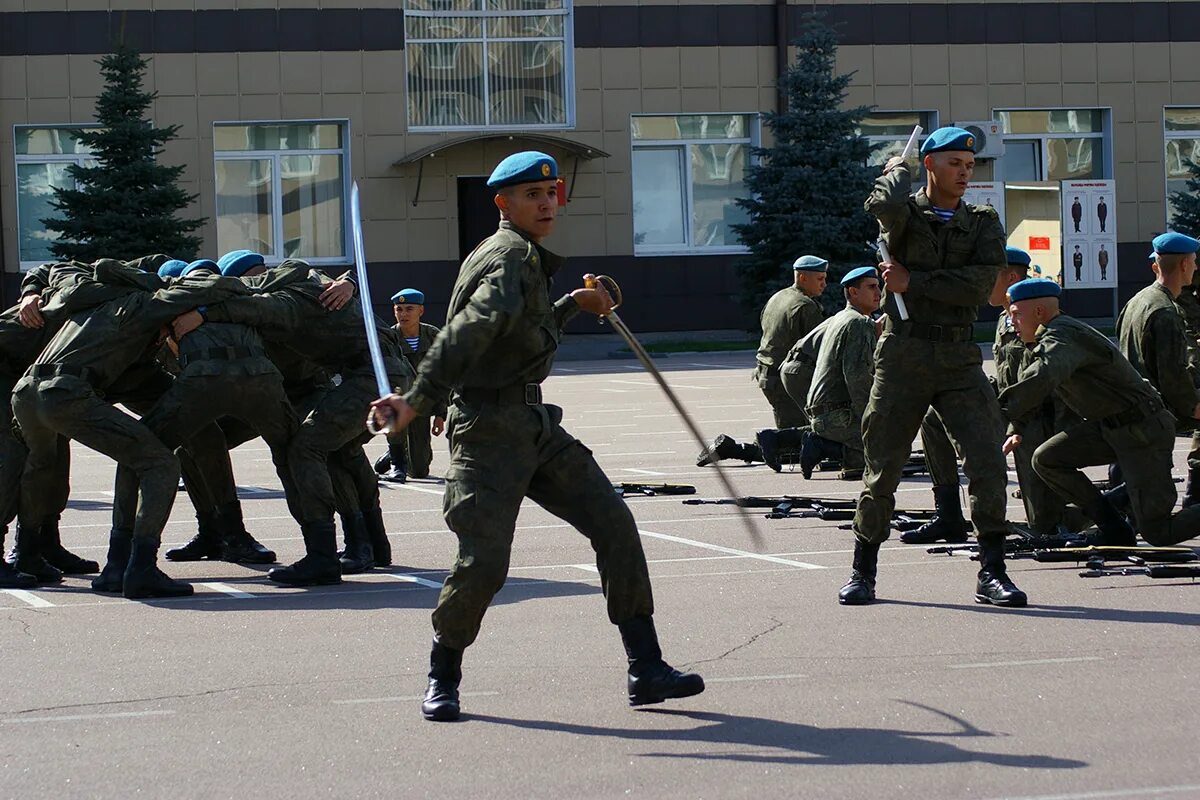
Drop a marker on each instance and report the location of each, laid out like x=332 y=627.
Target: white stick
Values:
x=901 y=306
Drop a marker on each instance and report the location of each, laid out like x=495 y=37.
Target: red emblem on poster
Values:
x=1039 y=242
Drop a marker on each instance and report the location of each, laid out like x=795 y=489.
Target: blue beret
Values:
x=810 y=264
x=1032 y=289
x=948 y=139
x=235 y=263
x=1017 y=257
x=1172 y=243
x=414 y=296
x=172 y=268
x=200 y=264
x=527 y=167
x=858 y=273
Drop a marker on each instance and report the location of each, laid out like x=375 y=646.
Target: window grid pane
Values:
x=1052 y=121
x=1182 y=119
x=35 y=194
x=311 y=193
x=49 y=141
x=691 y=126
x=244 y=205
x=658 y=203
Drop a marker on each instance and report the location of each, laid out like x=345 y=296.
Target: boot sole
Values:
x=442 y=714
x=81 y=568
x=656 y=699
x=152 y=593
x=254 y=559
x=845 y=602
x=18 y=584
x=984 y=600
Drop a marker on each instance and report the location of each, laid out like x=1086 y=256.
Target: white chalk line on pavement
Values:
x=1145 y=791
x=30 y=598
x=225 y=588
x=1025 y=663
x=88 y=717
x=407 y=699
x=730 y=550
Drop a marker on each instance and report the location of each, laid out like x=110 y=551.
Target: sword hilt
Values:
x=610 y=285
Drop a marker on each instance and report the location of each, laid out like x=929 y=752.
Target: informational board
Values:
x=1089 y=225
x=987 y=193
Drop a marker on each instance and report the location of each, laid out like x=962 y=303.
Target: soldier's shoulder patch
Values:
x=983 y=210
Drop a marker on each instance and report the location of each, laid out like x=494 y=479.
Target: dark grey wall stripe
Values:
x=608 y=25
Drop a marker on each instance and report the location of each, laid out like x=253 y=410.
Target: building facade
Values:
x=651 y=108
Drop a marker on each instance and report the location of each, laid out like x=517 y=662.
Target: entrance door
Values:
x=477 y=214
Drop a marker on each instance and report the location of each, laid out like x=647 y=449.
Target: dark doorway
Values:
x=477 y=214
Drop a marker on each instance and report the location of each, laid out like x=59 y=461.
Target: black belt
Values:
x=42 y=371
x=936 y=333
x=825 y=408
x=1131 y=416
x=220 y=354
x=529 y=394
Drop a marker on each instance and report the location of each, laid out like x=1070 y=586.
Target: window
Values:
x=489 y=63
x=43 y=156
x=1182 y=132
x=1054 y=144
x=687 y=173
x=282 y=189
x=888 y=131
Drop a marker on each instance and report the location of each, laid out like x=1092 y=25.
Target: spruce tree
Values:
x=1186 y=204
x=807 y=189
x=126 y=203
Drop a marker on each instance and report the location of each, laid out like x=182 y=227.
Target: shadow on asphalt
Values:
x=89 y=505
x=806 y=744
x=1185 y=618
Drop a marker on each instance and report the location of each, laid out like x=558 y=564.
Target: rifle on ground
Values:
x=1150 y=570
x=788 y=506
x=630 y=488
x=1096 y=555
x=1024 y=545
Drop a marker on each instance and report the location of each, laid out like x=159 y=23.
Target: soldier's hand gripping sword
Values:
x=364 y=295
x=901 y=306
x=620 y=327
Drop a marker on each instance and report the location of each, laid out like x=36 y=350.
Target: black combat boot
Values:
x=445 y=673
x=947 y=525
x=994 y=586
x=773 y=443
x=814 y=449
x=26 y=556
x=652 y=680
x=860 y=589
x=144 y=579
x=112 y=577
x=377 y=536
x=398 y=461
x=237 y=545
x=205 y=544
x=320 y=566
x=60 y=557
x=10 y=577
x=1191 y=489
x=383 y=463
x=1112 y=528
x=358 y=556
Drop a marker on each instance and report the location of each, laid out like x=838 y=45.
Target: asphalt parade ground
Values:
x=250 y=690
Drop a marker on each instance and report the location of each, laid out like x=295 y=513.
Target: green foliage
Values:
x=126 y=204
x=807 y=189
x=1186 y=204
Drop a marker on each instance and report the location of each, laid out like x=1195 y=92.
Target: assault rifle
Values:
x=788 y=506
x=629 y=489
x=1150 y=570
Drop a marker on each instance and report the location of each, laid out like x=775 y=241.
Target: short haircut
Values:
x=1169 y=262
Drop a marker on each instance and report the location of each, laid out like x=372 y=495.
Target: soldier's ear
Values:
x=501 y=203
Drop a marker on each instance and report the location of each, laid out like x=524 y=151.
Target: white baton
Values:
x=911 y=145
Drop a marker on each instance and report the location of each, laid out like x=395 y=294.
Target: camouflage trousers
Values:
x=12 y=464
x=499 y=455
x=913 y=375
x=416 y=442
x=788 y=413
x=796 y=377
x=1143 y=450
x=842 y=426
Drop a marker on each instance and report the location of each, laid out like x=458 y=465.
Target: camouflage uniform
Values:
x=1124 y=421
x=931 y=360
x=788 y=316
x=497 y=347
x=798 y=367
x=415 y=440
x=1189 y=307
x=842 y=383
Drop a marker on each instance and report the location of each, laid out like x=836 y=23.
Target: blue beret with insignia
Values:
x=948 y=139
x=235 y=263
x=412 y=296
x=1016 y=257
x=172 y=268
x=200 y=265
x=858 y=273
x=810 y=264
x=1172 y=243
x=527 y=167
x=1033 y=289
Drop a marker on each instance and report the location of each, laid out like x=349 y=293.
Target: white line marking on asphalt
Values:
x=412 y=698
x=1029 y=663
x=229 y=590
x=401 y=576
x=78 y=717
x=748 y=678
x=409 y=488
x=30 y=598
x=642 y=453
x=643 y=471
x=598 y=427
x=673 y=384
x=731 y=550
x=616 y=391
x=1146 y=790
x=586 y=568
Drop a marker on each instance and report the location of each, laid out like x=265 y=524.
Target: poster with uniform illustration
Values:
x=1089 y=234
x=987 y=193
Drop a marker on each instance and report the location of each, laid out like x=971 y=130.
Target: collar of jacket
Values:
x=926 y=208
x=551 y=262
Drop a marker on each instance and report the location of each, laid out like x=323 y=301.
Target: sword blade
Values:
x=364 y=296
x=620 y=327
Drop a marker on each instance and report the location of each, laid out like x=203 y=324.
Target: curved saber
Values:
x=901 y=306
x=620 y=327
x=364 y=295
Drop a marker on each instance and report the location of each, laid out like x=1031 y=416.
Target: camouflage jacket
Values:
x=787 y=317
x=845 y=363
x=952 y=265
x=1151 y=335
x=426 y=336
x=1189 y=306
x=501 y=328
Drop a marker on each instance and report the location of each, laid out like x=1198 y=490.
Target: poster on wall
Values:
x=1089 y=226
x=987 y=193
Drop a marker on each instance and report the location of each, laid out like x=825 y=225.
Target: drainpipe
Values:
x=781 y=53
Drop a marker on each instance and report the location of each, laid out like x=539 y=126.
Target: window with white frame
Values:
x=43 y=155
x=1181 y=129
x=888 y=131
x=282 y=189
x=688 y=171
x=489 y=63
x=1054 y=144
